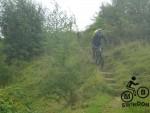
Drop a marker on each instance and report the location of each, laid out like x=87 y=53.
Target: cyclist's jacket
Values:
x=96 y=41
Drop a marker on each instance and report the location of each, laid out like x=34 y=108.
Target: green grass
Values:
x=94 y=94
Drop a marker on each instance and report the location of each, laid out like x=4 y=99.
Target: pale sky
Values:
x=84 y=10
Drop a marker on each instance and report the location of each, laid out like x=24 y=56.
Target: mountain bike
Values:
x=98 y=57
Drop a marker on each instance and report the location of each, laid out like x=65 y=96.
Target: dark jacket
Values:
x=97 y=39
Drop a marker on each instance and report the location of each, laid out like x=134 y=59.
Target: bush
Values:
x=6 y=105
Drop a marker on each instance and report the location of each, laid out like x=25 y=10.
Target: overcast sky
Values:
x=84 y=10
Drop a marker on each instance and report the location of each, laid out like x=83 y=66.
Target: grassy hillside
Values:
x=97 y=91
x=47 y=67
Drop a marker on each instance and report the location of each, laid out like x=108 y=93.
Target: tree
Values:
x=22 y=27
x=58 y=20
x=126 y=20
x=65 y=75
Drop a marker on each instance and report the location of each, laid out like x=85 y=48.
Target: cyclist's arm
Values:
x=104 y=39
x=135 y=83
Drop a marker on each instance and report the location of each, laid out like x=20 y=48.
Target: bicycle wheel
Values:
x=127 y=96
x=101 y=61
x=143 y=92
x=97 y=59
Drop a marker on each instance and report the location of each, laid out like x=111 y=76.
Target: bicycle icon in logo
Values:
x=128 y=95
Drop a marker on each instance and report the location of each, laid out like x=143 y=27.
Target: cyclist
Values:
x=97 y=42
x=130 y=83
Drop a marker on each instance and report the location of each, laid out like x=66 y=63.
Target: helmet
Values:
x=98 y=30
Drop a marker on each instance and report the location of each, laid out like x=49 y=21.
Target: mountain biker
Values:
x=97 y=42
x=130 y=83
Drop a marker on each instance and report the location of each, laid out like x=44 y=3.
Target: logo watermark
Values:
x=128 y=95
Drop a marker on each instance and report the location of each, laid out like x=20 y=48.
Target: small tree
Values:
x=58 y=20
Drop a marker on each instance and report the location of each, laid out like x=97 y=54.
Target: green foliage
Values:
x=67 y=74
x=58 y=20
x=125 y=61
x=15 y=100
x=64 y=74
x=124 y=20
x=7 y=106
x=5 y=75
x=21 y=24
